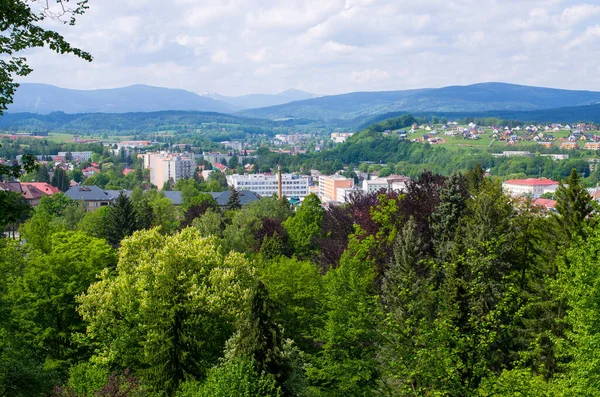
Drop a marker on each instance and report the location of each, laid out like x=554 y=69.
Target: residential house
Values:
x=245 y=196
x=92 y=196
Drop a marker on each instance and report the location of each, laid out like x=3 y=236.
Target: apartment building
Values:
x=81 y=156
x=531 y=187
x=266 y=184
x=166 y=167
x=329 y=185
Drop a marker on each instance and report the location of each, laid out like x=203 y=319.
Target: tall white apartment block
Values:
x=266 y=185
x=168 y=167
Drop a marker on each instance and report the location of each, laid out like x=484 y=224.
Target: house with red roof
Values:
x=221 y=167
x=532 y=187
x=89 y=171
x=546 y=204
x=128 y=171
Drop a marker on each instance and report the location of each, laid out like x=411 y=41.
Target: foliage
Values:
x=305 y=226
x=233 y=378
x=121 y=220
x=169 y=307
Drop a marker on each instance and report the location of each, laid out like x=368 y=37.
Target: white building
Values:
x=166 y=167
x=81 y=156
x=531 y=187
x=393 y=182
x=374 y=185
x=341 y=137
x=266 y=185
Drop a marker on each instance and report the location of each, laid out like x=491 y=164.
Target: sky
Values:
x=236 y=47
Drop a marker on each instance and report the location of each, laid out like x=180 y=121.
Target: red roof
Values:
x=44 y=187
x=531 y=182
x=545 y=203
x=220 y=167
x=128 y=171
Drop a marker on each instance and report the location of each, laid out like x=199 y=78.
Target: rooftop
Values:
x=531 y=182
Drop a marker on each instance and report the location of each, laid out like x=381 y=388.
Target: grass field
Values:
x=63 y=137
x=486 y=139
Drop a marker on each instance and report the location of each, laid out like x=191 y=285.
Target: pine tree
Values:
x=234 y=200
x=574 y=205
x=60 y=179
x=121 y=220
x=260 y=337
x=144 y=216
x=445 y=219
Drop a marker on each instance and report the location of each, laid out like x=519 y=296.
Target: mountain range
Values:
x=44 y=99
x=492 y=98
x=252 y=101
x=480 y=97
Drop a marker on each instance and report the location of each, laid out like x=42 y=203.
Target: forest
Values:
x=450 y=288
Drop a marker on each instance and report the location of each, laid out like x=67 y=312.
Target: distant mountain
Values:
x=344 y=106
x=252 y=101
x=45 y=99
x=472 y=98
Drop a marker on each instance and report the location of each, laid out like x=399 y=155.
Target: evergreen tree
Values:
x=121 y=220
x=234 y=200
x=451 y=208
x=260 y=337
x=144 y=215
x=60 y=179
x=574 y=205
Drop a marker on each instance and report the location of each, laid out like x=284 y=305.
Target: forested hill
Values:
x=371 y=145
x=472 y=98
x=130 y=122
x=44 y=99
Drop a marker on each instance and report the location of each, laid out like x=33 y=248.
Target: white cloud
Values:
x=327 y=46
x=220 y=56
x=579 y=13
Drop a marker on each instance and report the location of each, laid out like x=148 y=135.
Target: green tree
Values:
x=95 y=223
x=305 y=226
x=271 y=207
x=13 y=208
x=121 y=220
x=60 y=179
x=210 y=224
x=347 y=365
x=43 y=297
x=233 y=378
x=233 y=203
x=574 y=205
x=144 y=213
x=240 y=234
x=22 y=28
x=169 y=307
x=260 y=337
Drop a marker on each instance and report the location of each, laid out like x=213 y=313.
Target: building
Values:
x=546 y=204
x=266 y=184
x=31 y=191
x=80 y=156
x=246 y=197
x=531 y=187
x=329 y=185
x=389 y=183
x=168 y=167
x=340 y=137
x=374 y=185
x=92 y=196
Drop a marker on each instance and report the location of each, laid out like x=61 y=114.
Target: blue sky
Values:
x=235 y=47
